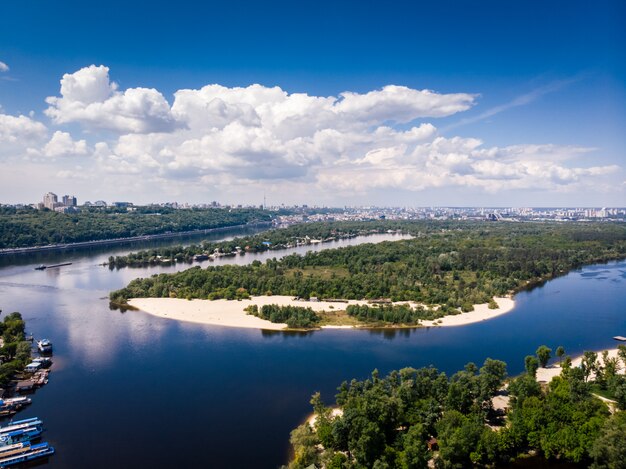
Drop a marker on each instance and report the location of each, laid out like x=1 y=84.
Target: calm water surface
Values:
x=132 y=390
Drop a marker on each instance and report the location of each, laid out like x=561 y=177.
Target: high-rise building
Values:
x=50 y=200
x=69 y=201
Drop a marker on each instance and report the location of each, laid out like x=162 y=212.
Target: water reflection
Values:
x=226 y=385
x=271 y=334
x=389 y=333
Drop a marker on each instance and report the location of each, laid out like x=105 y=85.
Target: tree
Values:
x=414 y=452
x=621 y=352
x=560 y=351
x=531 y=364
x=609 y=449
x=523 y=387
x=458 y=438
x=304 y=441
x=491 y=376
x=589 y=363
x=543 y=355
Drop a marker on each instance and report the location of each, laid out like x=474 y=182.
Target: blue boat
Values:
x=25 y=454
x=21 y=425
x=19 y=436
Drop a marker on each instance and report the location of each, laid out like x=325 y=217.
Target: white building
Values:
x=50 y=200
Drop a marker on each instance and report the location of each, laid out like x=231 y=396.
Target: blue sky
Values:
x=546 y=83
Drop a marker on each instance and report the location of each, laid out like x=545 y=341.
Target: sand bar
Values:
x=231 y=313
x=481 y=313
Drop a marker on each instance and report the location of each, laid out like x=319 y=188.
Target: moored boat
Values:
x=21 y=425
x=30 y=453
x=12 y=404
x=44 y=346
x=20 y=436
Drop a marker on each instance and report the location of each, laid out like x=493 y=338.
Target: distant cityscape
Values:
x=303 y=213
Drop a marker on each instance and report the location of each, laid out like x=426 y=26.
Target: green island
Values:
x=446 y=268
x=28 y=227
x=272 y=240
x=417 y=418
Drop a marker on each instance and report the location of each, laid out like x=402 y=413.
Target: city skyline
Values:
x=419 y=105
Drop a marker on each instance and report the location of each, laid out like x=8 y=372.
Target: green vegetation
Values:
x=271 y=240
x=400 y=314
x=453 y=265
x=29 y=227
x=15 y=351
x=296 y=317
x=543 y=355
x=415 y=415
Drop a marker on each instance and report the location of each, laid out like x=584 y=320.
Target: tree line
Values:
x=398 y=314
x=412 y=415
x=296 y=317
x=271 y=240
x=28 y=227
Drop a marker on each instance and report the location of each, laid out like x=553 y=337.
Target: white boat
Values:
x=19 y=401
x=44 y=346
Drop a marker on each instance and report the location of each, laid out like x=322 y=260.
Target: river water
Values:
x=132 y=390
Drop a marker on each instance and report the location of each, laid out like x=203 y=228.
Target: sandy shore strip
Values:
x=481 y=313
x=545 y=375
x=231 y=313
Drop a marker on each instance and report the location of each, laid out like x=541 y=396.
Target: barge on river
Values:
x=44 y=267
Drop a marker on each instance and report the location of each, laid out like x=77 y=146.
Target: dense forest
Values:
x=271 y=240
x=414 y=415
x=455 y=265
x=29 y=227
x=15 y=350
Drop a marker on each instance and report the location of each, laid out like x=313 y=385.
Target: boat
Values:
x=21 y=425
x=14 y=402
x=46 y=362
x=12 y=449
x=19 y=436
x=40 y=450
x=44 y=267
x=44 y=346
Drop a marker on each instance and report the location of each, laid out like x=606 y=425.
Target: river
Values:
x=133 y=390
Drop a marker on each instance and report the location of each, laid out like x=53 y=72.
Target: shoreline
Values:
x=230 y=313
x=116 y=241
x=545 y=375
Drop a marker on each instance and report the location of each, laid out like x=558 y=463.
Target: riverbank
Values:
x=545 y=375
x=231 y=313
x=132 y=239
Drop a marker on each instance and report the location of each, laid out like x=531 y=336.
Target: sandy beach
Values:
x=545 y=375
x=230 y=313
x=481 y=313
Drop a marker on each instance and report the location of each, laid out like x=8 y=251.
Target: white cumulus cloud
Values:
x=90 y=98
x=20 y=129
x=62 y=144
x=238 y=139
x=3 y=67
